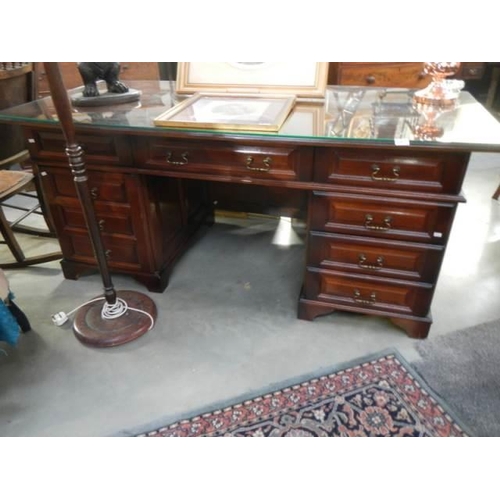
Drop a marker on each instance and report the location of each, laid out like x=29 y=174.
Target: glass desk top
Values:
x=346 y=115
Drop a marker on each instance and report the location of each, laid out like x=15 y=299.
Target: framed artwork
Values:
x=229 y=112
x=301 y=79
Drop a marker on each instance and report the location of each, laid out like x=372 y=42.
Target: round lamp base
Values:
x=91 y=329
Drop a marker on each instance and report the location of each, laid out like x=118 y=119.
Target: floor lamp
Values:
x=124 y=315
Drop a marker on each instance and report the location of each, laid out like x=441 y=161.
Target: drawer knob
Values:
x=101 y=225
x=363 y=264
x=267 y=161
x=370 y=225
x=376 y=171
x=360 y=300
x=370 y=79
x=184 y=159
x=107 y=254
x=94 y=192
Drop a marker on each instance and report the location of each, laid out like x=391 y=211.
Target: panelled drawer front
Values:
x=397 y=75
x=119 y=251
x=386 y=170
x=381 y=217
x=110 y=220
x=45 y=144
x=103 y=186
x=279 y=163
x=380 y=257
x=368 y=292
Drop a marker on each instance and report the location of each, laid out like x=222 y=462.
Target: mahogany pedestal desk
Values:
x=379 y=201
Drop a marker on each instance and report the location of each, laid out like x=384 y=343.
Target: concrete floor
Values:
x=225 y=331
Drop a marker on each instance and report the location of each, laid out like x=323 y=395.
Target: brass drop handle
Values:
x=369 y=223
x=94 y=192
x=101 y=224
x=362 y=262
x=376 y=171
x=368 y=301
x=184 y=160
x=267 y=161
x=370 y=79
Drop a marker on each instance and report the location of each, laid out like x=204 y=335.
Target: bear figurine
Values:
x=107 y=71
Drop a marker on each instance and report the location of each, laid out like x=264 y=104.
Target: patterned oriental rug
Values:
x=379 y=397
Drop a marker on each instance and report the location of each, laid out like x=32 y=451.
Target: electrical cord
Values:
x=109 y=311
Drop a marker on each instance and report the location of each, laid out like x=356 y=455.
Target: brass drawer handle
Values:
x=101 y=223
x=394 y=178
x=107 y=254
x=362 y=262
x=184 y=160
x=374 y=227
x=360 y=300
x=267 y=161
x=94 y=192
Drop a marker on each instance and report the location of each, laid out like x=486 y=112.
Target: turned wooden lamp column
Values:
x=89 y=325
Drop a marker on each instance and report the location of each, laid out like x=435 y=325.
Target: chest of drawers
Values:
x=378 y=247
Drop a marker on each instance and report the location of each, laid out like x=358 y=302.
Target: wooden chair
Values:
x=18 y=86
x=12 y=183
x=490 y=100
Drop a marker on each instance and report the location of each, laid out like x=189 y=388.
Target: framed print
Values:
x=229 y=112
x=301 y=79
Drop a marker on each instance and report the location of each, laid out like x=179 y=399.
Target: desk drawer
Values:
x=379 y=217
x=416 y=171
x=407 y=75
x=103 y=186
x=392 y=259
x=230 y=160
x=109 y=219
x=368 y=293
x=48 y=144
x=122 y=252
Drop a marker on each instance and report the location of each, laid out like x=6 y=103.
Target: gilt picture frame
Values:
x=304 y=80
x=216 y=111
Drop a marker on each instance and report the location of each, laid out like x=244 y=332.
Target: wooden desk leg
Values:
x=497 y=193
x=492 y=90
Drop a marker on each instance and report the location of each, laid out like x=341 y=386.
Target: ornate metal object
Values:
x=440 y=92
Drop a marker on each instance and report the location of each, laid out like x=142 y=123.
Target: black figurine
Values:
x=107 y=71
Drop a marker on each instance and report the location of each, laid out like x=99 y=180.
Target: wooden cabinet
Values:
x=471 y=71
x=144 y=221
x=16 y=87
x=72 y=79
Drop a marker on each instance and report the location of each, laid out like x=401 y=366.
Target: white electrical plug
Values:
x=60 y=318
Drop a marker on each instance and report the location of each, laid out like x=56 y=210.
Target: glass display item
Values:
x=440 y=92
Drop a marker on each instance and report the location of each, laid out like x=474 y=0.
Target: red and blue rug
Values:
x=379 y=397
